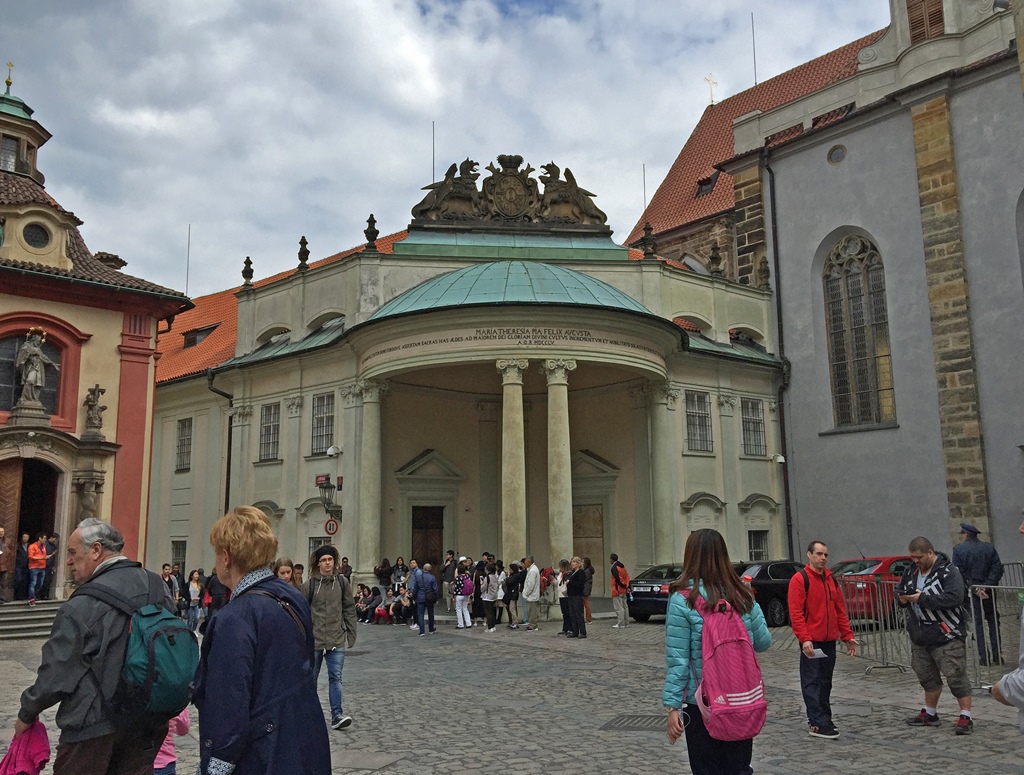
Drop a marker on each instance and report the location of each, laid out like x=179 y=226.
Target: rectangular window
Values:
x=757 y=545
x=9 y=154
x=698 y=421
x=183 y=460
x=323 y=423
x=270 y=431
x=178 y=553
x=753 y=427
x=926 y=19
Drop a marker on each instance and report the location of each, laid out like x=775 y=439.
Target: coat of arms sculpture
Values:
x=509 y=197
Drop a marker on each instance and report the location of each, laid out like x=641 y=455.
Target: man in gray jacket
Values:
x=82 y=662
x=334 y=624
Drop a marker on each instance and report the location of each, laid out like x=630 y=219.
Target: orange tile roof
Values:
x=221 y=309
x=686 y=325
x=675 y=203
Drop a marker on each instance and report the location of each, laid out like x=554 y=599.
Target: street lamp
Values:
x=327 y=493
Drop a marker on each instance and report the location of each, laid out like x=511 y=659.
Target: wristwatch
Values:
x=669 y=708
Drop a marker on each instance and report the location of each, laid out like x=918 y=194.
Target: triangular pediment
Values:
x=430 y=464
x=587 y=463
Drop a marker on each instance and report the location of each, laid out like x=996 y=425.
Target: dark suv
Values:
x=770 y=582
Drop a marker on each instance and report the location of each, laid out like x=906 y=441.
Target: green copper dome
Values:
x=509 y=282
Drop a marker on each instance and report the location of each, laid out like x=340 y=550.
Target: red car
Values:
x=869 y=584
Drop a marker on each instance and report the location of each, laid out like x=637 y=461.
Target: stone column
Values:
x=559 y=459
x=642 y=480
x=665 y=492
x=369 y=515
x=513 y=459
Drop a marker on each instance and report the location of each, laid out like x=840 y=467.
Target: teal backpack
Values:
x=160 y=660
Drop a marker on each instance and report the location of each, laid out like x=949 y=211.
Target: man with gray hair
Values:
x=82 y=661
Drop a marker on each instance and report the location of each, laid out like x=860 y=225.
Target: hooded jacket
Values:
x=941 y=603
x=817 y=611
x=332 y=608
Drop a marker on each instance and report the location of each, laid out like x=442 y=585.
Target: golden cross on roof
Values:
x=712 y=83
x=10 y=66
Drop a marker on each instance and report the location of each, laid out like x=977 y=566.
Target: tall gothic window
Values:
x=860 y=360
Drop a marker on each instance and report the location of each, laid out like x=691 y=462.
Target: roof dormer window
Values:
x=706 y=185
x=196 y=335
x=9 y=153
x=926 y=20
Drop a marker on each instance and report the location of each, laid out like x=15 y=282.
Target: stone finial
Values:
x=647 y=241
x=371 y=233
x=763 y=274
x=715 y=262
x=303 y=254
x=247 y=272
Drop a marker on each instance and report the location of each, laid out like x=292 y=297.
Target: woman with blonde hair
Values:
x=709 y=576
x=284 y=569
x=255 y=687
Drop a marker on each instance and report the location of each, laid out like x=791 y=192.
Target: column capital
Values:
x=557 y=371
x=363 y=390
x=511 y=370
x=664 y=392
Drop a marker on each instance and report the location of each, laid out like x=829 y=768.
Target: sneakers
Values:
x=618 y=627
x=963 y=726
x=414 y=626
x=341 y=722
x=32 y=601
x=530 y=628
x=491 y=629
x=827 y=733
x=459 y=627
x=926 y=719
x=513 y=626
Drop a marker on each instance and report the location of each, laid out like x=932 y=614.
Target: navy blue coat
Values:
x=255 y=687
x=419 y=582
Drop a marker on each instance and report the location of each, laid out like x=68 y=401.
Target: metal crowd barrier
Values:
x=1013 y=574
x=880 y=626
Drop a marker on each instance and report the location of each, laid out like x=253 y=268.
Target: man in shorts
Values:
x=933 y=589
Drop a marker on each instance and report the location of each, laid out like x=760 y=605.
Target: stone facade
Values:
x=698 y=244
x=950 y=312
x=749 y=217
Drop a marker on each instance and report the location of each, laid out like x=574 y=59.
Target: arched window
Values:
x=858 y=334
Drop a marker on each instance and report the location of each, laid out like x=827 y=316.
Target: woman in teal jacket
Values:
x=706 y=565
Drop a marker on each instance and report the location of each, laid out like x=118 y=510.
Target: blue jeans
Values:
x=335 y=659
x=422 y=607
x=170 y=769
x=36 y=577
x=192 y=622
x=816 y=684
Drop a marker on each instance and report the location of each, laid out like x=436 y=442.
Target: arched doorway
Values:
x=28 y=506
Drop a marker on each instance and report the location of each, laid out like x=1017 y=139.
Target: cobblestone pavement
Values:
x=470 y=702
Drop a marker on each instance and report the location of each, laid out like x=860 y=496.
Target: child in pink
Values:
x=166 y=760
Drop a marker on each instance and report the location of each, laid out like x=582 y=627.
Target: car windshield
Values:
x=661 y=573
x=854 y=566
x=747 y=568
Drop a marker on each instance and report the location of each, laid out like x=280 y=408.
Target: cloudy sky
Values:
x=258 y=121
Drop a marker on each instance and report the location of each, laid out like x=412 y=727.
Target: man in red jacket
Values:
x=818 y=615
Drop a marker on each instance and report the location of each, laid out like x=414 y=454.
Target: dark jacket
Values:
x=219 y=594
x=255 y=686
x=941 y=603
x=978 y=562
x=588 y=588
x=21 y=557
x=88 y=637
x=577 y=582
x=419 y=583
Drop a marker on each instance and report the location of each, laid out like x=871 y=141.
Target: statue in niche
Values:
x=31 y=364
x=93 y=410
x=564 y=200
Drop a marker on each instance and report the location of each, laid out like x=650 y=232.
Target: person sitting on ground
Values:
x=383 y=611
x=363 y=611
x=403 y=608
x=372 y=602
x=360 y=589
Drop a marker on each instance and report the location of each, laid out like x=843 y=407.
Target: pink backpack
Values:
x=730 y=694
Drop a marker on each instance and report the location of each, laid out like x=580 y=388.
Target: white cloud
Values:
x=260 y=121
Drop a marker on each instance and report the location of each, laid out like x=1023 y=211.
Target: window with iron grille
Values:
x=316 y=542
x=757 y=545
x=860 y=359
x=323 y=423
x=698 y=421
x=270 y=431
x=183 y=459
x=926 y=19
x=753 y=426
x=178 y=554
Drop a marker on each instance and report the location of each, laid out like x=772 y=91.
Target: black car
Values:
x=649 y=591
x=770 y=582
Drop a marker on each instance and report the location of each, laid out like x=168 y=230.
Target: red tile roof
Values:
x=221 y=309
x=686 y=325
x=675 y=203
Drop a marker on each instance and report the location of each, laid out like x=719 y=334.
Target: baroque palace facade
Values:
x=880 y=189
x=77 y=363
x=501 y=376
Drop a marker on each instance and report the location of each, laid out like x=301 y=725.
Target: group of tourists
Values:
x=34 y=565
x=712 y=598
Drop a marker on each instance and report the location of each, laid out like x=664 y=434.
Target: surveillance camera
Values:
x=1001 y=5
x=333 y=451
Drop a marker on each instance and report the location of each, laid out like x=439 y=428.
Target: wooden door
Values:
x=10 y=509
x=588 y=541
x=428 y=536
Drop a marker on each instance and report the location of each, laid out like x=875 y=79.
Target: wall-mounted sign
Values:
x=322 y=479
x=331 y=527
